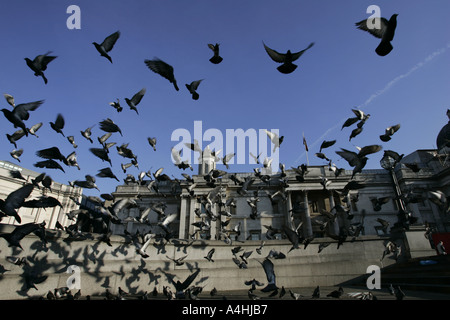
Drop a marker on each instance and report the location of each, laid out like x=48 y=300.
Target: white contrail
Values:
x=388 y=86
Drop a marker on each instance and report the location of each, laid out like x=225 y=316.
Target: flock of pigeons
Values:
x=99 y=221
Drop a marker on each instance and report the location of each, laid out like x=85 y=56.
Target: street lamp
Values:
x=404 y=218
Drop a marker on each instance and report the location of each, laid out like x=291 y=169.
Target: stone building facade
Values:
x=216 y=204
x=13 y=176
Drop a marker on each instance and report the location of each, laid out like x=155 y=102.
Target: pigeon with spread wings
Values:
x=14 y=201
x=163 y=69
x=108 y=125
x=384 y=31
x=275 y=138
x=181 y=286
x=39 y=64
x=107 y=45
x=358 y=160
x=286 y=59
x=58 y=125
x=21 y=113
x=21 y=231
x=389 y=132
x=192 y=87
x=135 y=100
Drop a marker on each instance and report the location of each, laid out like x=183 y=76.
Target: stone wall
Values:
x=102 y=266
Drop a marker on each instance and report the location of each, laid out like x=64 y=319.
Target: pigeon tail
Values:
x=384 y=48
x=287 y=68
x=216 y=60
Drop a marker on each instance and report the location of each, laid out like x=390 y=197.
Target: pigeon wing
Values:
x=269 y=270
x=41 y=61
x=21 y=231
x=297 y=55
x=350 y=156
x=59 y=122
x=176 y=155
x=376 y=32
x=190 y=279
x=22 y=110
x=162 y=68
x=110 y=41
x=16 y=198
x=274 y=55
x=138 y=96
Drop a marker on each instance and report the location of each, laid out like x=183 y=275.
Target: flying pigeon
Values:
x=39 y=64
x=107 y=45
x=163 y=69
x=21 y=113
x=216 y=58
x=192 y=87
x=134 y=101
x=58 y=125
x=385 y=32
x=286 y=58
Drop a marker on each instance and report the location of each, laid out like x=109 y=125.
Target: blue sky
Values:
x=341 y=71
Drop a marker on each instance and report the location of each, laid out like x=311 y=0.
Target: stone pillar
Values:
x=191 y=216
x=345 y=221
x=213 y=230
x=333 y=227
x=183 y=212
x=289 y=215
x=306 y=217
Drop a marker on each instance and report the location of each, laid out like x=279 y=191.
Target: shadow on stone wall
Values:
x=104 y=266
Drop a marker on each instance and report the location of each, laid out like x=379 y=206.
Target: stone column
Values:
x=306 y=217
x=289 y=219
x=191 y=216
x=213 y=230
x=333 y=227
x=183 y=212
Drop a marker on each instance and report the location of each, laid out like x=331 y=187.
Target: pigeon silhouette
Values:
x=17 y=135
x=116 y=105
x=275 y=138
x=134 y=101
x=163 y=69
x=286 y=59
x=34 y=129
x=268 y=267
x=108 y=125
x=39 y=64
x=385 y=32
x=20 y=232
x=216 y=58
x=87 y=134
x=58 y=125
x=389 y=132
x=192 y=87
x=21 y=113
x=14 y=201
x=107 y=45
